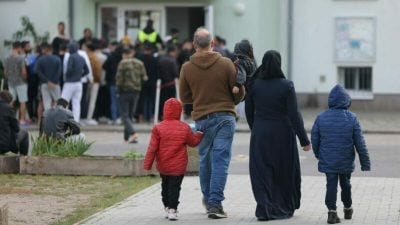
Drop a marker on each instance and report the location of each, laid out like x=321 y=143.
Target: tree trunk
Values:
x=4 y=214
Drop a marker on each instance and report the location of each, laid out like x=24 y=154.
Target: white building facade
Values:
x=351 y=42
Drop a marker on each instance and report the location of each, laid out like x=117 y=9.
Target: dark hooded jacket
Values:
x=9 y=128
x=337 y=134
x=206 y=81
x=76 y=66
x=168 y=142
x=245 y=64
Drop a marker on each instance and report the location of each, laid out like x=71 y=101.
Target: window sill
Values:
x=361 y=95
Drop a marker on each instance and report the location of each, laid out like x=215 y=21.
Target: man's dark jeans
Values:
x=127 y=103
x=170 y=189
x=331 y=190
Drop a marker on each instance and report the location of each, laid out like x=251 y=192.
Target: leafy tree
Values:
x=27 y=30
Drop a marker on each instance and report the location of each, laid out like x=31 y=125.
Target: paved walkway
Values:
x=376 y=201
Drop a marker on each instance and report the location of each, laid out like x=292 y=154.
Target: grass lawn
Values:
x=64 y=200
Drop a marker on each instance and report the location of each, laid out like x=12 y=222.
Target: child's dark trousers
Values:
x=170 y=189
x=331 y=190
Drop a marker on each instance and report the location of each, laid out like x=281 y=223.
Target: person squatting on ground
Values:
x=48 y=68
x=12 y=138
x=334 y=136
x=58 y=122
x=206 y=81
x=75 y=68
x=168 y=147
x=245 y=64
x=131 y=74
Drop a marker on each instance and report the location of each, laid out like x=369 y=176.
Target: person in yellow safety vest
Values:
x=150 y=35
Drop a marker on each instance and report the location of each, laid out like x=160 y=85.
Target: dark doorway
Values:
x=185 y=19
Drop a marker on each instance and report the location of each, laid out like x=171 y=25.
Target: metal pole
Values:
x=71 y=18
x=290 y=38
x=157 y=103
x=177 y=95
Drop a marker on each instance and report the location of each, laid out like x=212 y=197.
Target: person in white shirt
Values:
x=85 y=80
x=76 y=73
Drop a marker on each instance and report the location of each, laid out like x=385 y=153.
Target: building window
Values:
x=357 y=80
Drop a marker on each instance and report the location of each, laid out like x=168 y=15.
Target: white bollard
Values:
x=2 y=85
x=177 y=88
x=157 y=103
x=177 y=95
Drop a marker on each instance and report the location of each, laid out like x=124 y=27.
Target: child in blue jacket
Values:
x=335 y=136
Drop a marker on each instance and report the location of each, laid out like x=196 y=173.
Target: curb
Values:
x=147 y=129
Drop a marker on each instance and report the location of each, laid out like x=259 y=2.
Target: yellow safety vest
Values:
x=152 y=37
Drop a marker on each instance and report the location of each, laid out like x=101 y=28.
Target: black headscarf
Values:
x=270 y=67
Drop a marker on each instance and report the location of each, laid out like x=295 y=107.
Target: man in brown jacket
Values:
x=206 y=82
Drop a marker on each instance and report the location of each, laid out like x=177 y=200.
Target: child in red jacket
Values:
x=168 y=146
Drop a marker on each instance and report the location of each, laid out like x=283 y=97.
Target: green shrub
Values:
x=47 y=146
x=133 y=154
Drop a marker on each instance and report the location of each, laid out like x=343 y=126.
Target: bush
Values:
x=133 y=154
x=48 y=146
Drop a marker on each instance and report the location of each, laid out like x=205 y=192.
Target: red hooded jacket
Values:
x=168 y=142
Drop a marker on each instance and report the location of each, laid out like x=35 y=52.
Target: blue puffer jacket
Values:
x=335 y=134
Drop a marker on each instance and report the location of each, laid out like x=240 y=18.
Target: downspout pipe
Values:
x=290 y=38
x=71 y=17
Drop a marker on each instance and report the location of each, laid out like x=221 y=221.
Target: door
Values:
x=119 y=19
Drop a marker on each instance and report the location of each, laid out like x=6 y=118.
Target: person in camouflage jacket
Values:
x=131 y=74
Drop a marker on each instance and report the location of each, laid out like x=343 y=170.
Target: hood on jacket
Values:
x=243 y=48
x=172 y=109
x=339 y=98
x=73 y=47
x=205 y=60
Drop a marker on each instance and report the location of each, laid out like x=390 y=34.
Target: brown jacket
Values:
x=96 y=67
x=206 y=81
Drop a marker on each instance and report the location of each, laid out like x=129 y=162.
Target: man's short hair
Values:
x=62 y=102
x=61 y=24
x=6 y=96
x=16 y=44
x=202 y=41
x=24 y=43
x=171 y=48
x=45 y=45
x=127 y=51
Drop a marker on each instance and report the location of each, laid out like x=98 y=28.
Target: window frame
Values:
x=356 y=93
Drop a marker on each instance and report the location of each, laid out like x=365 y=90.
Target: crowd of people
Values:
x=118 y=80
x=89 y=75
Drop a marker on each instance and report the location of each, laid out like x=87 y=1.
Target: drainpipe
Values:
x=71 y=17
x=290 y=38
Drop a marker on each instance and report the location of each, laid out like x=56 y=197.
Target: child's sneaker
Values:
x=166 y=212
x=333 y=217
x=348 y=213
x=172 y=214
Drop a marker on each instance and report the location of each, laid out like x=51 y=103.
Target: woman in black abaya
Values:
x=274 y=120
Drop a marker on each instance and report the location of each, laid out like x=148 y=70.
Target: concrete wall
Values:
x=44 y=14
x=313 y=50
x=260 y=23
